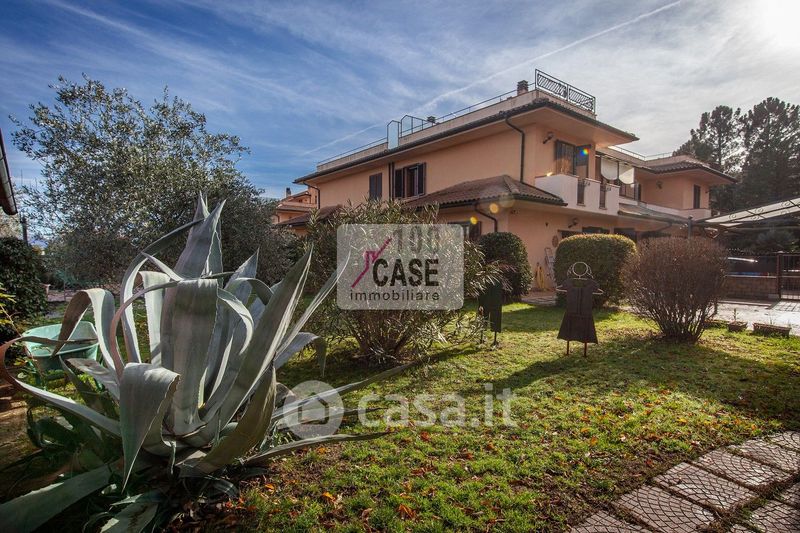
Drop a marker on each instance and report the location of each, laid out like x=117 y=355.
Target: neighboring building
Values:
x=535 y=162
x=295 y=205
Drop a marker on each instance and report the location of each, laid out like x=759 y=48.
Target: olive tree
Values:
x=117 y=174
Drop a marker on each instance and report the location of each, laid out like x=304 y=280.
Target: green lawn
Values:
x=588 y=429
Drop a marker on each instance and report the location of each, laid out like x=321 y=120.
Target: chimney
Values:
x=522 y=87
x=288 y=191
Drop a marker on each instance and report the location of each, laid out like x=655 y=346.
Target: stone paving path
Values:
x=753 y=486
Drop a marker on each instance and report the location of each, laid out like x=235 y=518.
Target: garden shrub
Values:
x=20 y=274
x=509 y=252
x=392 y=335
x=605 y=255
x=676 y=282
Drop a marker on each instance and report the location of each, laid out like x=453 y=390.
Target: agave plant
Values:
x=207 y=399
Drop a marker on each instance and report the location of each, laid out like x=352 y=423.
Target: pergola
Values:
x=739 y=221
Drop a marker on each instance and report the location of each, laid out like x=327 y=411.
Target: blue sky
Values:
x=300 y=81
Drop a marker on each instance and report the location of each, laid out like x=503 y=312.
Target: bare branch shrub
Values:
x=676 y=282
x=393 y=335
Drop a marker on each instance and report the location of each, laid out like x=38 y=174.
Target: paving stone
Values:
x=738 y=528
x=788 y=439
x=602 y=522
x=704 y=488
x=744 y=471
x=791 y=495
x=776 y=517
x=664 y=512
x=771 y=454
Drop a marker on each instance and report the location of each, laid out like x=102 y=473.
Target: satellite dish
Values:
x=626 y=174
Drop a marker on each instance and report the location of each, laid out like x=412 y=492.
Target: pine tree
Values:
x=718 y=142
x=771 y=137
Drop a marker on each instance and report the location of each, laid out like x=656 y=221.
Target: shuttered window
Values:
x=696 y=202
x=376 y=186
x=409 y=181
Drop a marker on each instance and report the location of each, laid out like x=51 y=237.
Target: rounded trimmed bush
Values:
x=605 y=254
x=509 y=250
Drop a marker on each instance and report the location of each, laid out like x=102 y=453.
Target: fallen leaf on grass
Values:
x=406 y=512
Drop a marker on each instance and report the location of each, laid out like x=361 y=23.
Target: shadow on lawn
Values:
x=533 y=319
x=620 y=364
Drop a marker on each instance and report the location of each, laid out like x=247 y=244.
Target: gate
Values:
x=789 y=276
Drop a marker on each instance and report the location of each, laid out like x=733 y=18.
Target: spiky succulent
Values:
x=206 y=399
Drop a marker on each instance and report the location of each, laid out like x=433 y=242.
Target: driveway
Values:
x=780 y=313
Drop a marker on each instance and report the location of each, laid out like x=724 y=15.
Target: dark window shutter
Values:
x=421 y=177
x=375 y=185
x=475 y=231
x=398 y=183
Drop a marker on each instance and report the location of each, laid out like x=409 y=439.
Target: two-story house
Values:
x=535 y=162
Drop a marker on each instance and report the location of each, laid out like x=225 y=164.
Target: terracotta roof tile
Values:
x=493 y=188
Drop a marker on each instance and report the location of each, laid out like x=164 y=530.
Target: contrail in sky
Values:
x=448 y=94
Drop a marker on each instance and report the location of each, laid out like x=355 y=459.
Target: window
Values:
x=472 y=232
x=376 y=186
x=409 y=181
x=581 y=191
x=595 y=229
x=571 y=159
x=696 y=200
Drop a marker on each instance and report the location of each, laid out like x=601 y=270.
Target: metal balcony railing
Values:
x=549 y=84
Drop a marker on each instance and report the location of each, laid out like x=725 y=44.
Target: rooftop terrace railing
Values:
x=643 y=157
x=544 y=82
x=573 y=95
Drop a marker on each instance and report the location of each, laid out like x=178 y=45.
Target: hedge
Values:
x=20 y=277
x=605 y=255
x=509 y=250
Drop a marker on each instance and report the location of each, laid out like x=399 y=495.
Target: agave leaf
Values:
x=89 y=395
x=145 y=394
x=324 y=291
x=227 y=330
x=30 y=511
x=153 y=303
x=190 y=327
x=248 y=432
x=234 y=327
x=133 y=519
x=215 y=254
x=171 y=274
x=284 y=449
x=102 y=303
x=237 y=384
x=300 y=341
x=193 y=261
x=293 y=406
x=102 y=374
x=90 y=415
x=129 y=279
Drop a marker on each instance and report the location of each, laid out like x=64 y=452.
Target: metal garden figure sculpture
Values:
x=580 y=289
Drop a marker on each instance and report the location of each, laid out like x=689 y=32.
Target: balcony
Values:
x=566 y=187
x=696 y=214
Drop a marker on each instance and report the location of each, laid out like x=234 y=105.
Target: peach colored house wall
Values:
x=676 y=192
x=475 y=159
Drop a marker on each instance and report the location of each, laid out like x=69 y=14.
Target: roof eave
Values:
x=537 y=104
x=7 y=199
